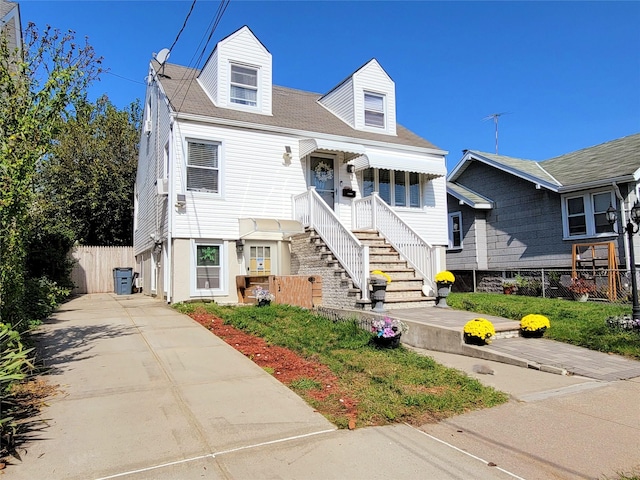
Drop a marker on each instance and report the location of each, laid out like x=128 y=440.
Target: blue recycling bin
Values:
x=122 y=280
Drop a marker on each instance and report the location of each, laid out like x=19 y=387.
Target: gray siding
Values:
x=524 y=229
x=464 y=258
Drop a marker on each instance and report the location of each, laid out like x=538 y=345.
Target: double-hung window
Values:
x=244 y=85
x=374 y=110
x=208 y=266
x=203 y=166
x=585 y=215
x=455 y=230
x=399 y=189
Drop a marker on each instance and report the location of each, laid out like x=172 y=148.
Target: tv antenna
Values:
x=495 y=117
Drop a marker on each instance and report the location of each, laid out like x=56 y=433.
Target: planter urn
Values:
x=378 y=292
x=444 y=289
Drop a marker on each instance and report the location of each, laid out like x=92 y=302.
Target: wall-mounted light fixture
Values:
x=351 y=168
x=181 y=200
x=240 y=246
x=286 y=156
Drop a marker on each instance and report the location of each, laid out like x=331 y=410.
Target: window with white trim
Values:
x=397 y=188
x=244 y=85
x=374 y=111
x=208 y=266
x=585 y=215
x=203 y=166
x=455 y=230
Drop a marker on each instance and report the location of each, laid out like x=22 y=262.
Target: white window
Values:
x=399 y=189
x=203 y=166
x=585 y=215
x=244 y=85
x=455 y=230
x=374 y=110
x=208 y=267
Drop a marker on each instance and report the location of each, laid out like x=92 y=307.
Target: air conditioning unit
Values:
x=163 y=186
x=147 y=126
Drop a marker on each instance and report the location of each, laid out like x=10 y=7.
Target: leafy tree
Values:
x=38 y=84
x=87 y=182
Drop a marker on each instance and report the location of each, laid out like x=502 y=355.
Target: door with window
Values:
x=323 y=178
x=260 y=260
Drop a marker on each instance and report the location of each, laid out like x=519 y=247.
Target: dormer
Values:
x=237 y=75
x=366 y=100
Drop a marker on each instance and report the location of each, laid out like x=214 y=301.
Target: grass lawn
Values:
x=388 y=385
x=578 y=323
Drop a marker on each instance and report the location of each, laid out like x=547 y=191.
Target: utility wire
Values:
x=193 y=4
x=212 y=27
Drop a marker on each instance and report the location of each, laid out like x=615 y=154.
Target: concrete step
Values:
x=507 y=330
x=400 y=303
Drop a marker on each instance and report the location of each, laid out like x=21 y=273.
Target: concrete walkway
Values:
x=539 y=352
x=147 y=393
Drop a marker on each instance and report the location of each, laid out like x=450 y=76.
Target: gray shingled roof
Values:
x=530 y=168
x=468 y=196
x=617 y=158
x=292 y=109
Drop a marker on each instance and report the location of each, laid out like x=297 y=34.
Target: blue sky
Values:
x=566 y=73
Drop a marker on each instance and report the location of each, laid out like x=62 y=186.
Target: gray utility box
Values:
x=122 y=280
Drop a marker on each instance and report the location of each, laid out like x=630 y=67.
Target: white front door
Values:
x=323 y=178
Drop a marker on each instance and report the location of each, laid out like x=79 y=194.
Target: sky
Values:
x=564 y=75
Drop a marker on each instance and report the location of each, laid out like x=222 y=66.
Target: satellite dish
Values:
x=162 y=56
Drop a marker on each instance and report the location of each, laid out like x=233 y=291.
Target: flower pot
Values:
x=508 y=290
x=264 y=303
x=473 y=340
x=378 y=292
x=387 y=342
x=444 y=289
x=533 y=333
x=580 y=297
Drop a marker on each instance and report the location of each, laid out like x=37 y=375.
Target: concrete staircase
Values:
x=405 y=289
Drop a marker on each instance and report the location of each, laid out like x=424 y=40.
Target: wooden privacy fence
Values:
x=93 y=267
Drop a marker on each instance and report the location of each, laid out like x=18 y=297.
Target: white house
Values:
x=233 y=168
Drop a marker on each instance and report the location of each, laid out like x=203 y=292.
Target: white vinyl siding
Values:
x=244 y=85
x=374 y=110
x=203 y=166
x=585 y=215
x=253 y=181
x=340 y=102
x=398 y=189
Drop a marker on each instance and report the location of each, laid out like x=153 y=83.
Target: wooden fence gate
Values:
x=93 y=268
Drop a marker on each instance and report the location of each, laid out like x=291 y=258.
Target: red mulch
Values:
x=287 y=366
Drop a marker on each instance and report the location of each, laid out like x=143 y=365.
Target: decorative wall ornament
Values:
x=323 y=172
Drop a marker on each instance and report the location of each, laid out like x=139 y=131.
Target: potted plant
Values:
x=509 y=287
x=379 y=281
x=478 y=331
x=581 y=288
x=444 y=281
x=387 y=332
x=263 y=296
x=533 y=325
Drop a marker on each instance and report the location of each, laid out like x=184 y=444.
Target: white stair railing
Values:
x=374 y=213
x=311 y=211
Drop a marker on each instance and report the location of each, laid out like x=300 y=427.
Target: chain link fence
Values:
x=599 y=285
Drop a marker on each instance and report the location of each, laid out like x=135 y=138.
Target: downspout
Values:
x=623 y=219
x=170 y=211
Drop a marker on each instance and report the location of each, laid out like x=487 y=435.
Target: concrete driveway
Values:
x=147 y=393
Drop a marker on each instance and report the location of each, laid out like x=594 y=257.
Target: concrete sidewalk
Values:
x=147 y=393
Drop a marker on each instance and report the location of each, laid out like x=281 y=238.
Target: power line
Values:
x=193 y=4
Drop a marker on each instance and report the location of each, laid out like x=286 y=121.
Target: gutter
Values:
x=304 y=133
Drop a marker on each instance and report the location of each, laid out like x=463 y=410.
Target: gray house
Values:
x=509 y=213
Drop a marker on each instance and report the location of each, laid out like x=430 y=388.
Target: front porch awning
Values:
x=310 y=145
x=431 y=167
x=277 y=228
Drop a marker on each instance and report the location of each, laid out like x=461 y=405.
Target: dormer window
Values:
x=374 y=110
x=244 y=85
